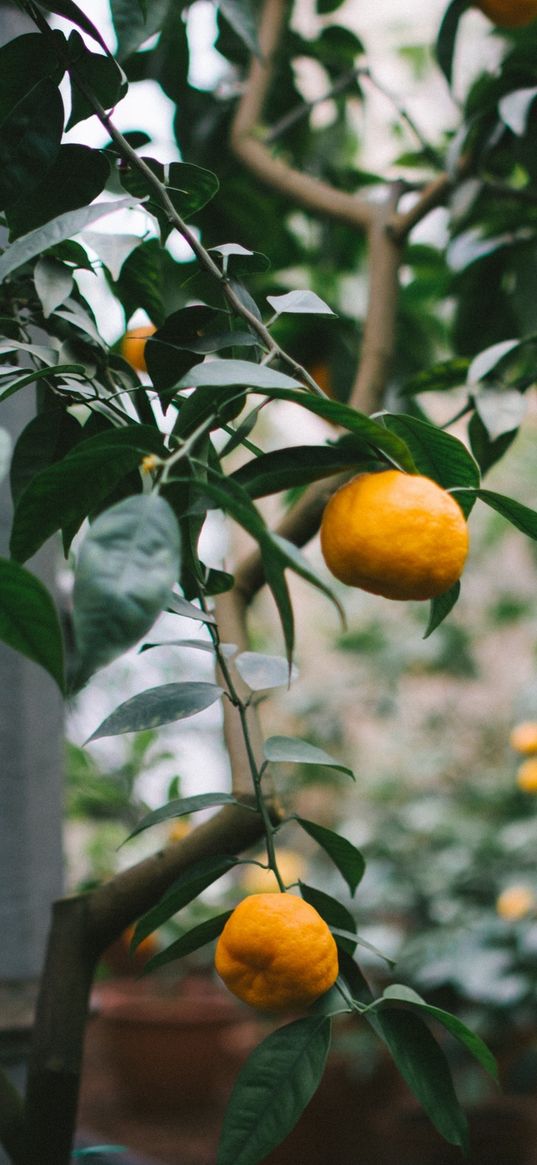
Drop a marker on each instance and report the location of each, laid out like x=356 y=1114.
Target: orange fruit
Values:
x=509 y=13
x=133 y=346
x=515 y=902
x=523 y=738
x=276 y=952
x=395 y=534
x=526 y=777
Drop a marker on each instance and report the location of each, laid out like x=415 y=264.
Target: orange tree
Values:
x=102 y=447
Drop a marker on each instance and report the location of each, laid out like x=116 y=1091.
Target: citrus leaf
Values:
x=520 y=516
x=30 y=138
x=181 y=806
x=63 y=494
x=242 y=15
x=447 y=35
x=440 y=608
x=185 y=888
x=54 y=232
x=180 y=606
x=198 y=937
x=424 y=1067
x=343 y=853
x=514 y=109
x=437 y=454
x=28 y=619
x=132 y=27
x=302 y=302
x=53 y=283
x=291 y=750
x=72 y=12
x=127 y=566
x=162 y=705
x=475 y=1045
x=273 y=1089
x=335 y=914
x=221 y=373
x=291 y=557
x=488 y=359
x=301 y=464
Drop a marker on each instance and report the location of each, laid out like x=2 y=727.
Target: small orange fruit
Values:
x=276 y=952
x=180 y=829
x=526 y=777
x=523 y=738
x=133 y=346
x=515 y=902
x=509 y=13
x=395 y=534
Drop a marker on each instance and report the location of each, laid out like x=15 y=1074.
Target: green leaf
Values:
x=48 y=373
x=72 y=12
x=46 y=439
x=439 y=378
x=440 y=608
x=299 y=465
x=162 y=705
x=488 y=359
x=299 y=302
x=180 y=606
x=520 y=516
x=61 y=496
x=377 y=436
x=273 y=1089
x=132 y=27
x=475 y=1045
x=514 y=109
x=53 y=283
x=242 y=15
x=190 y=187
x=198 y=937
x=28 y=619
x=335 y=914
x=291 y=557
x=424 y=1067
x=291 y=750
x=24 y=61
x=52 y=233
x=127 y=566
x=260 y=671
x=29 y=140
x=180 y=807
x=187 y=887
x=345 y=856
x=221 y=373
x=437 y=454
x=445 y=44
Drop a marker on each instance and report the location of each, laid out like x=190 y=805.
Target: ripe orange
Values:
x=526 y=777
x=515 y=902
x=509 y=13
x=523 y=738
x=276 y=952
x=395 y=534
x=133 y=346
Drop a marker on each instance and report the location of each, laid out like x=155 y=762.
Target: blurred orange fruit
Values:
x=515 y=902
x=133 y=346
x=526 y=777
x=523 y=738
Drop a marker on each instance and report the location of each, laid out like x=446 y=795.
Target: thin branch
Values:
x=304 y=109
x=403 y=115
x=301 y=189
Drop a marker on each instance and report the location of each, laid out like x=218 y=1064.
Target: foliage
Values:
x=126 y=468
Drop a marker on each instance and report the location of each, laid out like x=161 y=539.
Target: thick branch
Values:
x=301 y=189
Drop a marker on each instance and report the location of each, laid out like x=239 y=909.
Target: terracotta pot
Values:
x=167 y=1048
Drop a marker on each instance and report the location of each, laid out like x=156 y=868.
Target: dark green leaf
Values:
x=520 y=516
x=61 y=496
x=440 y=608
x=190 y=187
x=127 y=566
x=242 y=15
x=24 y=62
x=162 y=705
x=180 y=807
x=343 y=853
x=445 y=44
x=424 y=1067
x=77 y=175
x=29 y=140
x=101 y=76
x=485 y=450
x=46 y=439
x=191 y=941
x=291 y=750
x=292 y=558
x=188 y=886
x=273 y=1089
x=397 y=992
x=180 y=606
x=299 y=465
x=48 y=374
x=335 y=914
x=439 y=378
x=132 y=27
x=28 y=619
x=437 y=454
x=72 y=12
x=221 y=373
